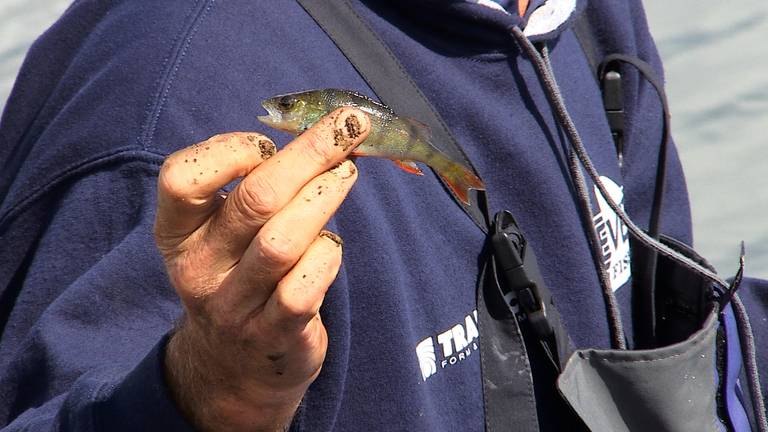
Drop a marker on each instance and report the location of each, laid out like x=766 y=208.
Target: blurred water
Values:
x=716 y=59
x=21 y=21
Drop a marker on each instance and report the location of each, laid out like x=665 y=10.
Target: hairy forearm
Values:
x=252 y=269
x=212 y=401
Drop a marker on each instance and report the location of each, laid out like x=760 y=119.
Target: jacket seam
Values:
x=172 y=63
x=76 y=170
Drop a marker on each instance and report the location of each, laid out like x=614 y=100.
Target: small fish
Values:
x=403 y=140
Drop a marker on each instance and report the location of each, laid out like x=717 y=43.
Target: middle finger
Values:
x=282 y=242
x=274 y=183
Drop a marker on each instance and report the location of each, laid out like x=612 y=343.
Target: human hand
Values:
x=252 y=269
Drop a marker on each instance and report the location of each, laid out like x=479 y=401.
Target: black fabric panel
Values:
x=666 y=389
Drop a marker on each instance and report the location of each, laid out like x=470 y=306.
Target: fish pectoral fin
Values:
x=409 y=166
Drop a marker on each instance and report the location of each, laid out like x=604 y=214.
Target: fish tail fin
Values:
x=458 y=177
x=460 y=180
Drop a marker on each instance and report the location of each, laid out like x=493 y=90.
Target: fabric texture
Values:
x=115 y=86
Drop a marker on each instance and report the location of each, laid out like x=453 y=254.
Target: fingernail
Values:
x=332 y=237
x=266 y=147
x=348 y=128
x=344 y=170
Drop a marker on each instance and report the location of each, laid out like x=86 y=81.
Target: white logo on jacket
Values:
x=613 y=235
x=456 y=345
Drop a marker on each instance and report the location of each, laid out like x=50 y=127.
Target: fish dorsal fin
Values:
x=409 y=167
x=364 y=98
x=419 y=129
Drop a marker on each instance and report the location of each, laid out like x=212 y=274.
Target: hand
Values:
x=252 y=269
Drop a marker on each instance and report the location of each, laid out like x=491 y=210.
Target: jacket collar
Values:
x=477 y=25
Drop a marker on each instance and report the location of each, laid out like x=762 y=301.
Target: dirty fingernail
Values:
x=332 y=237
x=344 y=170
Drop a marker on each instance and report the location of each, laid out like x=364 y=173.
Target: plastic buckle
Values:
x=613 y=100
x=509 y=252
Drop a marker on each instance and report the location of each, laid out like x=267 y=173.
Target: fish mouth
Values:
x=276 y=118
x=272 y=119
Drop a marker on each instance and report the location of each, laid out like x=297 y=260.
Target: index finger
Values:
x=190 y=180
x=275 y=182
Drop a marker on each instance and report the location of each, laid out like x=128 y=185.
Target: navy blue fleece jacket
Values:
x=115 y=86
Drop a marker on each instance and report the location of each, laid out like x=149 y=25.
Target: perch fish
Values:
x=403 y=140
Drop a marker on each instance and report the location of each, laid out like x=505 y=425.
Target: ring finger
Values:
x=282 y=241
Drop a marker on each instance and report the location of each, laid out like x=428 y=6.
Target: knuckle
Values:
x=177 y=182
x=188 y=275
x=223 y=139
x=170 y=181
x=258 y=198
x=291 y=309
x=318 y=149
x=166 y=243
x=276 y=249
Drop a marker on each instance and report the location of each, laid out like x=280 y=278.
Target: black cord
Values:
x=661 y=166
x=615 y=324
x=566 y=122
x=740 y=313
x=747 y=339
x=616 y=327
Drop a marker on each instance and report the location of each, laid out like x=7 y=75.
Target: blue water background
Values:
x=716 y=59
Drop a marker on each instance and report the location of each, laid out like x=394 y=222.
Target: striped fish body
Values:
x=401 y=139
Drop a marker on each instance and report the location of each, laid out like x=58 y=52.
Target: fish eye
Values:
x=285 y=103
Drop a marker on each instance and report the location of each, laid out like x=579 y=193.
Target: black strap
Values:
x=644 y=260
x=392 y=84
x=647 y=71
x=523 y=344
x=647 y=257
x=585 y=34
x=600 y=68
x=586 y=37
x=509 y=398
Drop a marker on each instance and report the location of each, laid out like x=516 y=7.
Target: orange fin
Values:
x=460 y=180
x=409 y=167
